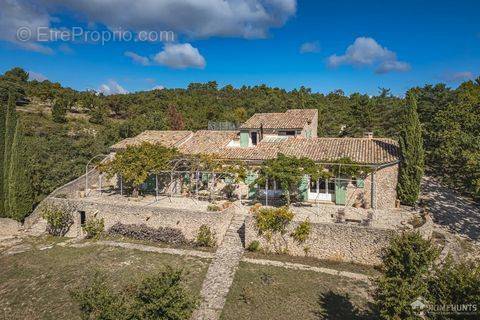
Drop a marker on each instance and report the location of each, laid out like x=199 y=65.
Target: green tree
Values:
x=406 y=264
x=10 y=125
x=135 y=163
x=161 y=296
x=454 y=283
x=412 y=155
x=2 y=155
x=20 y=196
x=59 y=111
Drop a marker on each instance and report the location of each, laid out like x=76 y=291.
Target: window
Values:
x=313 y=186
x=254 y=138
x=331 y=186
x=286 y=133
x=322 y=188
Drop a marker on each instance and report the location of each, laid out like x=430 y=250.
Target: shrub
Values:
x=301 y=232
x=142 y=232
x=254 y=246
x=229 y=191
x=94 y=228
x=205 y=237
x=58 y=220
x=160 y=296
x=213 y=207
x=272 y=220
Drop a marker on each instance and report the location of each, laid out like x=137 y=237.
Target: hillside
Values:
x=64 y=128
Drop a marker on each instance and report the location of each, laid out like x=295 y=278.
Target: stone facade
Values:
x=385 y=194
x=330 y=241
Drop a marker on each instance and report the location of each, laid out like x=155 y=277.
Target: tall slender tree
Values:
x=20 y=195
x=10 y=124
x=412 y=155
x=2 y=151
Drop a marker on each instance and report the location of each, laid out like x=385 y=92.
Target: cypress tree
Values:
x=20 y=196
x=10 y=124
x=412 y=155
x=2 y=150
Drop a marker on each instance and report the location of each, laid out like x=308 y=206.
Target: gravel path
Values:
x=450 y=210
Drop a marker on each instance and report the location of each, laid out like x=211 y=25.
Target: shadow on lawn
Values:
x=334 y=306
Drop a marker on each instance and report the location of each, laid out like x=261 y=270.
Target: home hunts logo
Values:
x=422 y=307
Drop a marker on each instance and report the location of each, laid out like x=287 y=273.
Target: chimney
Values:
x=368 y=135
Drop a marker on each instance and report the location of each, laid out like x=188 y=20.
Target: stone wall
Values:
x=330 y=241
x=187 y=221
x=385 y=185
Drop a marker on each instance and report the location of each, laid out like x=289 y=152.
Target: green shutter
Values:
x=244 y=139
x=206 y=177
x=249 y=180
x=303 y=188
x=340 y=191
x=360 y=183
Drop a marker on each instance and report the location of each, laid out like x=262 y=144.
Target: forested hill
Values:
x=55 y=130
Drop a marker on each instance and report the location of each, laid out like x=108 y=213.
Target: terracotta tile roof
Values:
x=291 y=119
x=206 y=141
x=361 y=150
x=167 y=138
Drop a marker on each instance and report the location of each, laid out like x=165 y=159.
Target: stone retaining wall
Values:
x=187 y=221
x=330 y=241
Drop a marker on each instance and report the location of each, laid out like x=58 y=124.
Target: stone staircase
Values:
x=222 y=270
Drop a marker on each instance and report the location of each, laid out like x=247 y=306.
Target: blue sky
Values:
x=324 y=45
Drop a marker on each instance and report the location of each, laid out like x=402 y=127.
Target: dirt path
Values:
x=450 y=210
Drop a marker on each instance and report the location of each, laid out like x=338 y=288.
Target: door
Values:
x=341 y=191
x=321 y=190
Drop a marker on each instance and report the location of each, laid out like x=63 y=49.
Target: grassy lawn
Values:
x=37 y=284
x=337 y=265
x=263 y=292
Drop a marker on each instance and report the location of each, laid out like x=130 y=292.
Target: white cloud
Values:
x=111 y=87
x=15 y=14
x=195 y=18
x=457 y=76
x=138 y=58
x=392 y=65
x=310 y=47
x=368 y=52
x=36 y=76
x=158 y=88
x=180 y=56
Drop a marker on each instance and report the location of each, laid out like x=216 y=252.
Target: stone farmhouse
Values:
x=294 y=133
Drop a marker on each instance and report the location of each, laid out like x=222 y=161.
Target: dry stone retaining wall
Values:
x=187 y=221
x=331 y=241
